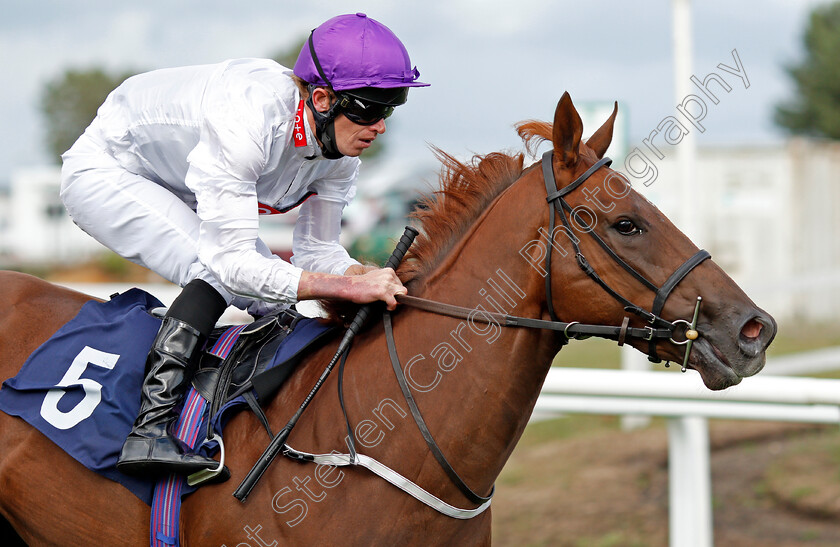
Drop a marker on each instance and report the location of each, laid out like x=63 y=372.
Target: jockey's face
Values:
x=353 y=139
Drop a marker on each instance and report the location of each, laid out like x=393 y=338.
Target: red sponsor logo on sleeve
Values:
x=300 y=131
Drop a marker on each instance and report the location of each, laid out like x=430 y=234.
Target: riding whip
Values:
x=279 y=440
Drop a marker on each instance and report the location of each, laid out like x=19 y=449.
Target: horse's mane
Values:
x=465 y=191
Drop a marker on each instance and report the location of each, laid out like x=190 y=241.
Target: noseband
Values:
x=558 y=206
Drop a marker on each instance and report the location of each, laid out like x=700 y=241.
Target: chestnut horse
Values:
x=482 y=246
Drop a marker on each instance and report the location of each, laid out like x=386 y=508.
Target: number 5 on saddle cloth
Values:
x=81 y=388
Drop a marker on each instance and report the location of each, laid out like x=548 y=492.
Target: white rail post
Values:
x=689 y=479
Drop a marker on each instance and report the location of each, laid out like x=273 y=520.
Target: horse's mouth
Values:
x=714 y=368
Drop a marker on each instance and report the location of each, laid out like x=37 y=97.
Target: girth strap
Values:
x=421 y=423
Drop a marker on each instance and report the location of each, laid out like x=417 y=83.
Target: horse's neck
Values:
x=475 y=383
x=480 y=380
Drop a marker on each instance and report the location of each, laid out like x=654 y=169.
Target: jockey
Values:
x=178 y=163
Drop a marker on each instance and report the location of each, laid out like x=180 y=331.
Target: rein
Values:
x=657 y=329
x=570 y=330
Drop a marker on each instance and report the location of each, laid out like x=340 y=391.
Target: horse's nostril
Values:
x=752 y=329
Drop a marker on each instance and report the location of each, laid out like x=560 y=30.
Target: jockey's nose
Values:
x=379 y=126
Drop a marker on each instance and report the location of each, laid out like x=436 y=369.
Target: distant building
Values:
x=35 y=228
x=770 y=217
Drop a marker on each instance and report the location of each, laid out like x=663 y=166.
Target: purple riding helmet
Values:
x=365 y=65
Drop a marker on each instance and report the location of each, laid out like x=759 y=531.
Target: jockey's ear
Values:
x=567 y=132
x=321 y=99
x=601 y=139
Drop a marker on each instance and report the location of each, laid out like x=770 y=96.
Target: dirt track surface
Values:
x=772 y=485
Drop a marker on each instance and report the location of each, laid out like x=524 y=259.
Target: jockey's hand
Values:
x=377 y=284
x=372 y=285
x=359 y=269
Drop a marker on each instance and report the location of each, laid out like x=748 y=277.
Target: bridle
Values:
x=558 y=206
x=657 y=328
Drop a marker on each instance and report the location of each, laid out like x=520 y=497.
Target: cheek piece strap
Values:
x=324 y=121
x=325 y=128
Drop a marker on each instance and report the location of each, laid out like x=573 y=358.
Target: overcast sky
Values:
x=491 y=63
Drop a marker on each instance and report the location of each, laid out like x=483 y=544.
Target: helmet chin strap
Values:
x=325 y=129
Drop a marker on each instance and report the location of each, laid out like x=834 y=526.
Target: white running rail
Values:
x=687 y=404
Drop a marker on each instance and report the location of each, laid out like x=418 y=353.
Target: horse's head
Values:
x=733 y=332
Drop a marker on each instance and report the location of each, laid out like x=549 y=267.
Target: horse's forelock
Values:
x=534 y=133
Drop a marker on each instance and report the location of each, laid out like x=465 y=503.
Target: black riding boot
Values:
x=151 y=448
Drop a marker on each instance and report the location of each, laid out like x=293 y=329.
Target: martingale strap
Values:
x=421 y=423
x=355 y=458
x=385 y=472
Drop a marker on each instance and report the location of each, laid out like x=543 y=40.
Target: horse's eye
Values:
x=626 y=227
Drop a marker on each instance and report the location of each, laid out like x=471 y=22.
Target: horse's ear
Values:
x=601 y=139
x=567 y=132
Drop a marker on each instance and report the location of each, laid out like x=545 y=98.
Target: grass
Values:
x=567 y=427
x=595 y=353
x=611 y=539
x=591 y=353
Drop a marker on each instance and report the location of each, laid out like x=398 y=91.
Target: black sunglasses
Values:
x=363 y=112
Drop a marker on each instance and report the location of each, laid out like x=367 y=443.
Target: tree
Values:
x=69 y=103
x=816 y=108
